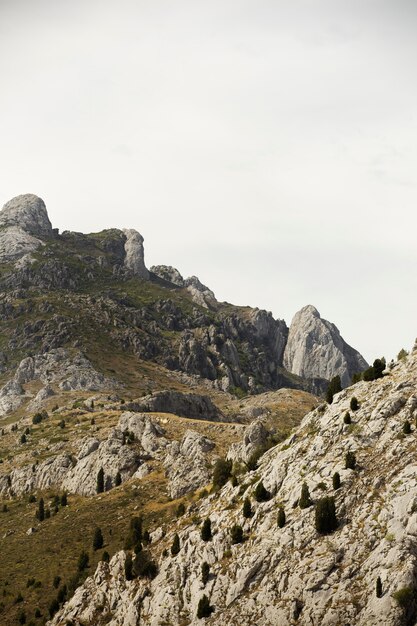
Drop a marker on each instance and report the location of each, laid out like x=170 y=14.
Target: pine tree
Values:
x=134 y=536
x=41 y=510
x=98 y=540
x=406 y=427
x=100 y=480
x=64 y=499
x=378 y=587
x=305 y=500
x=105 y=557
x=354 y=404
x=281 y=518
x=336 y=481
x=347 y=419
x=205 y=573
x=118 y=479
x=23 y=438
x=350 y=460
x=261 y=494
x=326 y=520
x=204 y=609
x=83 y=561
x=128 y=567
x=222 y=472
x=247 y=508
x=236 y=533
x=206 y=530
x=175 y=548
x=334 y=387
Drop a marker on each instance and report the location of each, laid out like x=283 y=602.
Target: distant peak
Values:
x=310 y=309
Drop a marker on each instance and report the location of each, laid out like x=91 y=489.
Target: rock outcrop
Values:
x=135 y=256
x=292 y=574
x=316 y=350
x=69 y=372
x=24 y=224
x=168 y=273
x=190 y=405
x=186 y=464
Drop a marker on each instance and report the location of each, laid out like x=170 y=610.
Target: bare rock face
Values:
x=187 y=465
x=255 y=437
x=315 y=349
x=190 y=405
x=24 y=223
x=168 y=273
x=294 y=574
x=56 y=366
x=201 y=294
x=135 y=256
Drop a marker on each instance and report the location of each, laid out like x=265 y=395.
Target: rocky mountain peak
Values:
x=29 y=213
x=315 y=349
x=135 y=255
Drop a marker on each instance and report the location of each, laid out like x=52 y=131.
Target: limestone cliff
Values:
x=315 y=349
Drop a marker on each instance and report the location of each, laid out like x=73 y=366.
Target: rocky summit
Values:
x=167 y=459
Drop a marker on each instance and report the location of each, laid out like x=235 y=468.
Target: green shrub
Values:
x=53 y=607
x=37 y=418
x=144 y=566
x=236 y=533
x=180 y=509
x=57 y=580
x=206 y=530
x=354 y=404
x=40 y=513
x=98 y=540
x=204 y=609
x=175 y=548
x=129 y=567
x=346 y=418
x=404 y=597
x=23 y=439
x=134 y=536
x=205 y=573
x=83 y=561
x=118 y=480
x=305 y=501
x=402 y=355
x=261 y=494
x=334 y=387
x=406 y=427
x=222 y=472
x=105 y=557
x=281 y=518
x=378 y=587
x=247 y=508
x=336 y=481
x=325 y=513
x=64 y=499
x=350 y=460
x=100 y=480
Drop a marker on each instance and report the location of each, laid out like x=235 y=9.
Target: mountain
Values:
x=93 y=295
x=123 y=390
x=295 y=572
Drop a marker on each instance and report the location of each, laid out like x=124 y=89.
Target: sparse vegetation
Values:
x=236 y=533
x=204 y=609
x=206 y=530
x=175 y=547
x=350 y=460
x=346 y=418
x=247 y=508
x=305 y=500
x=378 y=587
x=354 y=404
x=205 y=573
x=222 y=472
x=281 y=518
x=336 y=481
x=261 y=494
x=334 y=387
x=325 y=516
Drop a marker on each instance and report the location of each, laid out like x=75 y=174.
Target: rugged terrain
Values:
x=121 y=389
x=291 y=574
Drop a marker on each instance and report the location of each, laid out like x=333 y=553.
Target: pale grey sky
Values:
x=267 y=146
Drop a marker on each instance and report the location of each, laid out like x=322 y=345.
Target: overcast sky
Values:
x=267 y=146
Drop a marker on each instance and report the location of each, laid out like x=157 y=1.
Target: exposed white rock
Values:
x=24 y=223
x=71 y=372
x=315 y=349
x=292 y=575
x=255 y=438
x=187 y=465
x=201 y=294
x=135 y=256
x=168 y=273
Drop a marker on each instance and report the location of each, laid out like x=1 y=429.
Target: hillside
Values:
x=122 y=390
x=291 y=574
